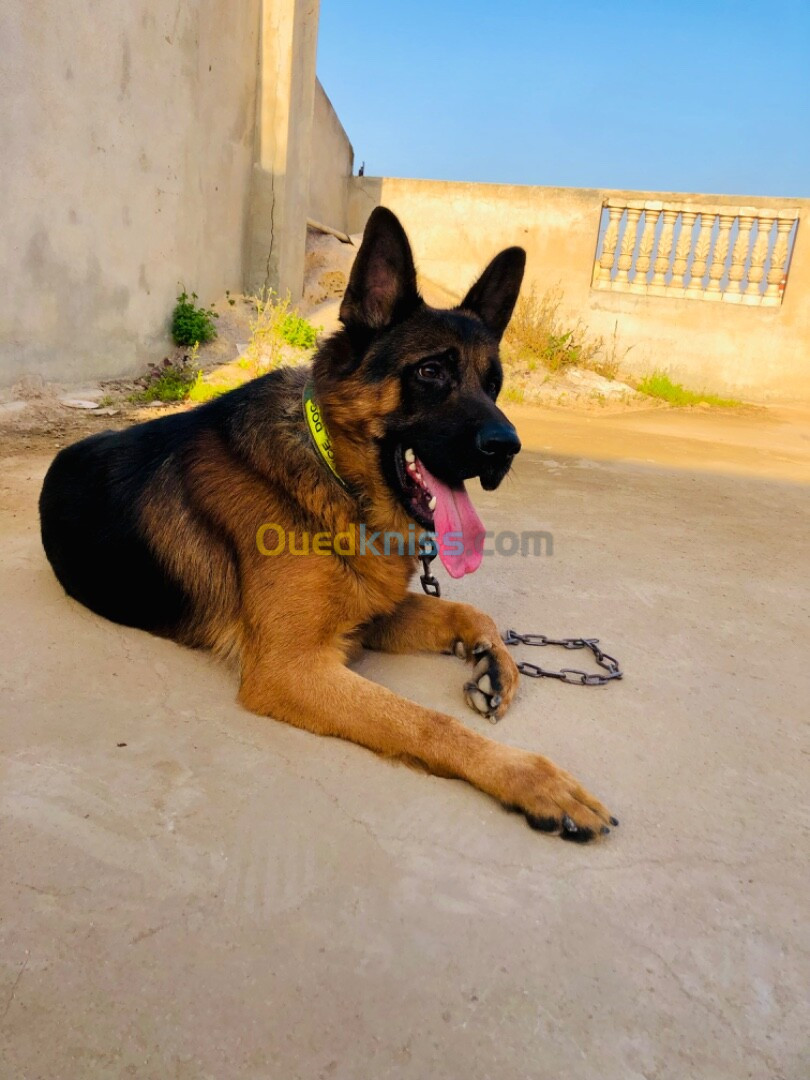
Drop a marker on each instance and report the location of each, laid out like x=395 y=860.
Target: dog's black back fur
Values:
x=92 y=500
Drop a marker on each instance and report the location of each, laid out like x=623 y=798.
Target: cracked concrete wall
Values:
x=332 y=164
x=279 y=204
x=128 y=138
x=757 y=353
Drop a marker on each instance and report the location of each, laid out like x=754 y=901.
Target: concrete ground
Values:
x=191 y=891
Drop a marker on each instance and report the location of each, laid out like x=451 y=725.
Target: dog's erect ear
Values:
x=382 y=287
x=493 y=297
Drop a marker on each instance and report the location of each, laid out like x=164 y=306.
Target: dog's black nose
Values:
x=498 y=438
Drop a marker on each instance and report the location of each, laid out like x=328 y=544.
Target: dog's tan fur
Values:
x=294 y=622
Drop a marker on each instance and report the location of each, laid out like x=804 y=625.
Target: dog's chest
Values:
x=380 y=584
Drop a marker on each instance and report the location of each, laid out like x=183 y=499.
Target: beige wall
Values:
x=455 y=228
x=166 y=141
x=331 y=165
x=127 y=135
x=279 y=204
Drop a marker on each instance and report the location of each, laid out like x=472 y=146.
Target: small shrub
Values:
x=274 y=325
x=538 y=333
x=168 y=381
x=659 y=385
x=192 y=325
x=298 y=331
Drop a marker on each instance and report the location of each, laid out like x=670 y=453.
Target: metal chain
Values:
x=567 y=675
x=429 y=583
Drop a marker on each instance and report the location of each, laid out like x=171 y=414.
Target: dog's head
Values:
x=413 y=389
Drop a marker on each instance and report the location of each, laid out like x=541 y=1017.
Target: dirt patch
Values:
x=40 y=421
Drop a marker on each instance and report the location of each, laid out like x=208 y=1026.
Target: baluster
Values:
x=604 y=264
x=628 y=246
x=721 y=244
x=779 y=258
x=701 y=256
x=645 y=246
x=684 y=246
x=659 y=281
x=751 y=294
x=738 y=259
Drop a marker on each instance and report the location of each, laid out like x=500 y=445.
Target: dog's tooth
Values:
x=410 y=455
x=432 y=502
x=412 y=468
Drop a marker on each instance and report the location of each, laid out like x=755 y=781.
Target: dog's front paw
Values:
x=494 y=678
x=551 y=800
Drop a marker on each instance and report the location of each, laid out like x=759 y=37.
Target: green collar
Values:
x=318 y=432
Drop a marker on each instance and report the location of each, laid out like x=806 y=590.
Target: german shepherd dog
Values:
x=163 y=526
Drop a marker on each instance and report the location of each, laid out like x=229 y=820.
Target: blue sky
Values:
x=663 y=96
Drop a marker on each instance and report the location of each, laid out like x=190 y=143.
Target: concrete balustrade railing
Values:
x=656 y=253
x=735 y=254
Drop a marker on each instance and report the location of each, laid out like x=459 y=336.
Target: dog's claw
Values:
x=485 y=691
x=581 y=836
x=492 y=684
x=566 y=828
x=477 y=700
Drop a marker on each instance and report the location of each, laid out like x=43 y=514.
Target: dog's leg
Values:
x=427 y=624
x=312 y=689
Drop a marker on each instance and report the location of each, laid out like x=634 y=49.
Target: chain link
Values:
x=567 y=675
x=429 y=583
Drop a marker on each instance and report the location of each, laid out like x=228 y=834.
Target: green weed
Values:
x=298 y=331
x=200 y=390
x=274 y=325
x=659 y=385
x=192 y=325
x=169 y=381
x=539 y=334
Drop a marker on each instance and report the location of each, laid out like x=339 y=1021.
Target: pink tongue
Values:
x=459 y=530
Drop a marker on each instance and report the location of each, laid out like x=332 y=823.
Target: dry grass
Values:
x=274 y=325
x=539 y=336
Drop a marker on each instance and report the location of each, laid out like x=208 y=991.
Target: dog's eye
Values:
x=430 y=371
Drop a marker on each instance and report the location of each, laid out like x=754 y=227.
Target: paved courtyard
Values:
x=191 y=891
